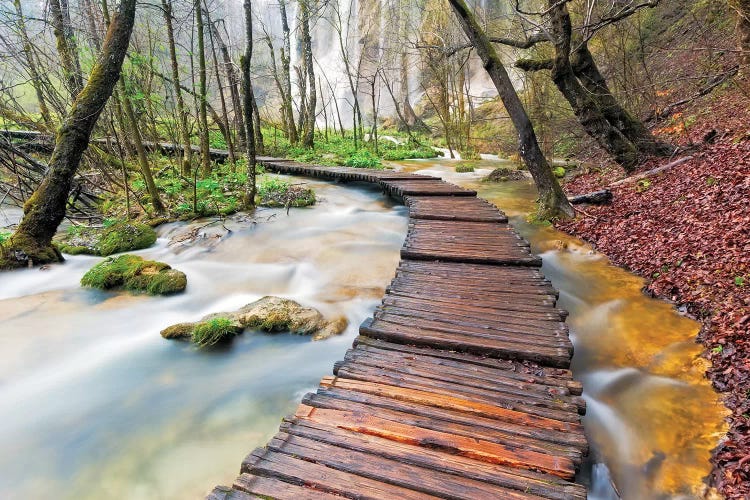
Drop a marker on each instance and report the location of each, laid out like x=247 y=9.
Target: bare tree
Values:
x=247 y=105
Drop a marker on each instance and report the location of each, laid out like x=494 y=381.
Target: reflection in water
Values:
x=95 y=404
x=652 y=417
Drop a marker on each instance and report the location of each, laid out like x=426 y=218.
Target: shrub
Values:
x=363 y=159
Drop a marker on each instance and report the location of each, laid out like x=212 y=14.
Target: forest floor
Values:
x=687 y=231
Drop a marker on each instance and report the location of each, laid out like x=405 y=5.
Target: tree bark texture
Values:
x=247 y=106
x=584 y=107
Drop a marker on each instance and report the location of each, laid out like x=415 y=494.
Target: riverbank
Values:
x=687 y=231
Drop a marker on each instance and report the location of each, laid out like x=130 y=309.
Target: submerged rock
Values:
x=504 y=175
x=270 y=314
x=117 y=238
x=134 y=273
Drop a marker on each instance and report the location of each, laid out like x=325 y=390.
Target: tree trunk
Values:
x=312 y=99
x=135 y=135
x=584 y=107
x=66 y=46
x=552 y=200
x=743 y=32
x=182 y=115
x=634 y=130
x=227 y=129
x=247 y=106
x=234 y=85
x=286 y=54
x=32 y=241
x=33 y=72
x=202 y=91
x=259 y=146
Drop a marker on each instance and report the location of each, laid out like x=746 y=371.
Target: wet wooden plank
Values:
x=320 y=478
x=523 y=368
x=451 y=209
x=535 y=483
x=489 y=368
x=486 y=346
x=401 y=188
x=385 y=470
x=461 y=409
x=478 y=449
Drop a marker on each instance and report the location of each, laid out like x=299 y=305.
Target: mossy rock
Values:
x=134 y=273
x=269 y=314
x=117 y=238
x=464 y=168
x=504 y=175
x=294 y=196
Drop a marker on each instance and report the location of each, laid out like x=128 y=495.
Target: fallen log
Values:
x=601 y=197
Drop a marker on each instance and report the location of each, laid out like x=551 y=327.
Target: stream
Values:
x=95 y=404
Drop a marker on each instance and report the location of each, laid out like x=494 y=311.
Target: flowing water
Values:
x=652 y=417
x=95 y=404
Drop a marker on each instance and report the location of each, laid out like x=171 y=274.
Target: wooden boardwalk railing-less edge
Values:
x=458 y=387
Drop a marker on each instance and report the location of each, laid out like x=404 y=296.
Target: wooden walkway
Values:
x=458 y=387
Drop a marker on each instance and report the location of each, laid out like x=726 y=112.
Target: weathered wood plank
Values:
x=478 y=449
x=543 y=485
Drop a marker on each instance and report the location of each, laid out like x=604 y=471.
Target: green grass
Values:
x=213 y=331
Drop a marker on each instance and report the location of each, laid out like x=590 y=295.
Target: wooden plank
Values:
x=384 y=470
x=488 y=368
x=557 y=357
x=477 y=449
x=543 y=485
x=252 y=486
x=320 y=478
x=553 y=408
x=457 y=409
x=521 y=367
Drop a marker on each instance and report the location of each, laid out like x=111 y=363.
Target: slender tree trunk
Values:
x=552 y=200
x=182 y=115
x=32 y=241
x=584 y=107
x=36 y=80
x=247 y=106
x=588 y=74
x=257 y=127
x=135 y=135
x=227 y=129
x=202 y=92
x=743 y=33
x=234 y=84
x=66 y=46
x=286 y=54
x=309 y=137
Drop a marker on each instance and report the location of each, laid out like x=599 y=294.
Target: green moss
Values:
x=116 y=238
x=464 y=168
x=559 y=172
x=178 y=331
x=134 y=273
x=125 y=237
x=208 y=333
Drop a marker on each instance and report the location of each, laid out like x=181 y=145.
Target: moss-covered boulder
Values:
x=134 y=273
x=504 y=175
x=269 y=314
x=116 y=238
x=559 y=172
